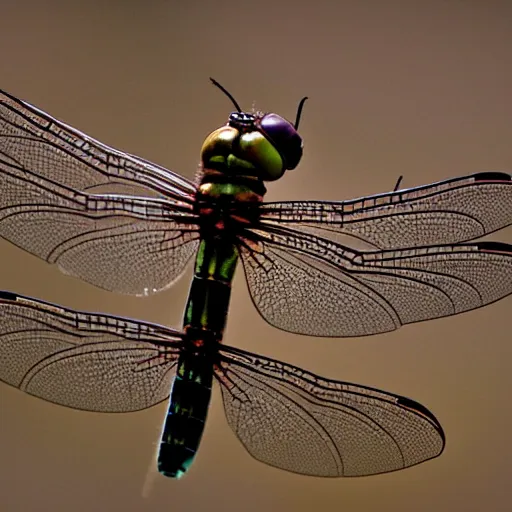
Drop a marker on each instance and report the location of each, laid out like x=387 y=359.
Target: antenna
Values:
x=228 y=94
x=299 y=112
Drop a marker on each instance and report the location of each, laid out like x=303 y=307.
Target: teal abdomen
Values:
x=204 y=321
x=183 y=427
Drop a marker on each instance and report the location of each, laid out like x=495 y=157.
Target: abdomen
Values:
x=188 y=407
x=204 y=321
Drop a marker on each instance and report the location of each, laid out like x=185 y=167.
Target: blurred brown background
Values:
x=415 y=88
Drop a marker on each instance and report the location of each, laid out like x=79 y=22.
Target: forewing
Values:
x=82 y=360
x=55 y=151
x=76 y=203
x=294 y=420
x=450 y=211
x=308 y=285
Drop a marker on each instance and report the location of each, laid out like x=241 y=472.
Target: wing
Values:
x=450 y=211
x=294 y=420
x=308 y=285
x=109 y=218
x=58 y=152
x=82 y=360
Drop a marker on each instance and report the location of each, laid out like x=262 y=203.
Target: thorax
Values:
x=227 y=203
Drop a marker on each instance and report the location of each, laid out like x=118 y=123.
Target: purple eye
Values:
x=284 y=138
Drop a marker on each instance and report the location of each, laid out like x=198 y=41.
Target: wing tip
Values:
x=421 y=410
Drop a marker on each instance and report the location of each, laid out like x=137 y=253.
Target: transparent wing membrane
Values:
x=307 y=285
x=450 y=211
x=85 y=361
x=294 y=420
x=124 y=243
x=55 y=151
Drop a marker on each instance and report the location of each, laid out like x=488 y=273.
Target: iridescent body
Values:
x=236 y=159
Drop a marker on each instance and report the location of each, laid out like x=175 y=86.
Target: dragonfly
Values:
x=127 y=225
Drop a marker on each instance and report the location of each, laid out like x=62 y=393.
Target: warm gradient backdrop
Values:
x=415 y=88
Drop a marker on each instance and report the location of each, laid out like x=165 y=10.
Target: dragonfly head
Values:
x=264 y=145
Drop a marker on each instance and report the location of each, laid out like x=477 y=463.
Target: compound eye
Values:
x=284 y=138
